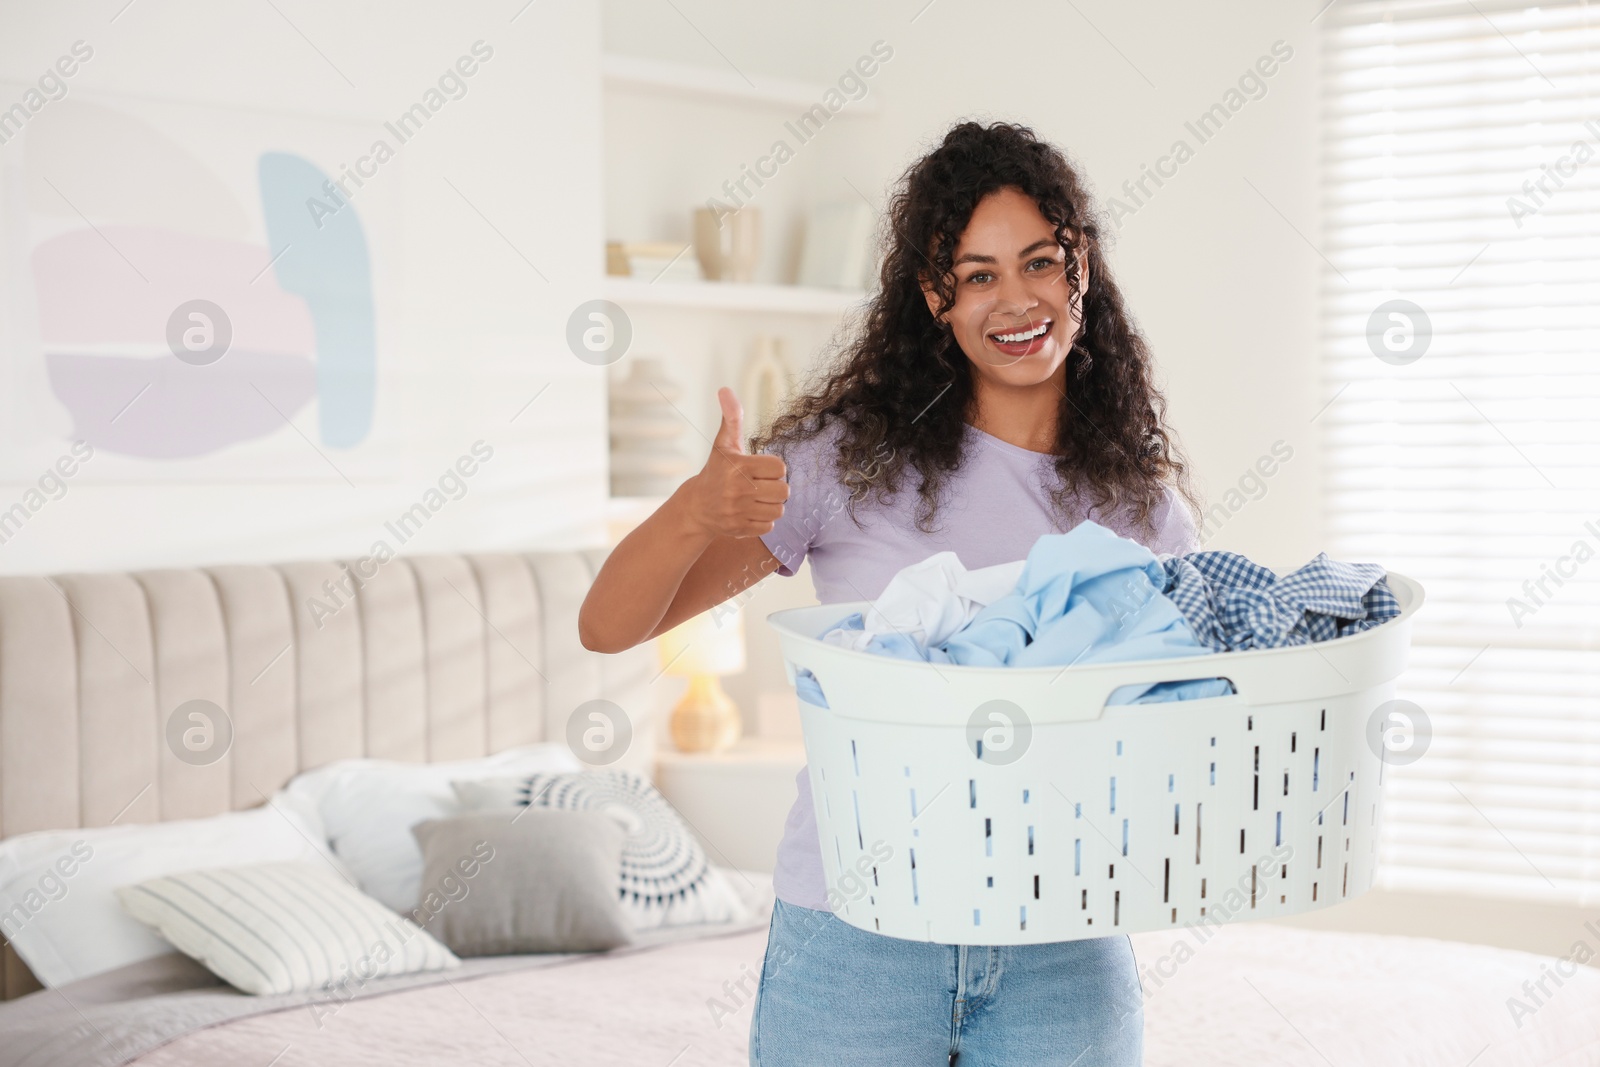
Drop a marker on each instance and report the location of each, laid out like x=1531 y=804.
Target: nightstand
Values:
x=736 y=801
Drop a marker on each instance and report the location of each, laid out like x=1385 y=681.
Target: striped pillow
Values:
x=283 y=928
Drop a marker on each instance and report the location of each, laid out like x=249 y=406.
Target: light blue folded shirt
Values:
x=1085 y=596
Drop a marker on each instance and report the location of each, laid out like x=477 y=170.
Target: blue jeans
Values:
x=832 y=995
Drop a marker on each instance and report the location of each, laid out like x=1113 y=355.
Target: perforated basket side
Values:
x=1150 y=817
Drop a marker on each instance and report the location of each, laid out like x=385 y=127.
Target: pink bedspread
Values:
x=1252 y=994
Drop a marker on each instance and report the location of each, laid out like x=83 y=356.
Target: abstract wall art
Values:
x=190 y=290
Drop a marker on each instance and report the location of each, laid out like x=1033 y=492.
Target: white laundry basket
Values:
x=1081 y=820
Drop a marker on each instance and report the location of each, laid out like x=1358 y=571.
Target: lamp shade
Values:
x=709 y=643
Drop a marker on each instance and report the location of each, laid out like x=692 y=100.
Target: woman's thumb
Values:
x=730 y=435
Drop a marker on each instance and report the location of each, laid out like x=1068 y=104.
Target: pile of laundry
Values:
x=1093 y=596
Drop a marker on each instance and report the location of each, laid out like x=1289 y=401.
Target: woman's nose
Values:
x=1013 y=298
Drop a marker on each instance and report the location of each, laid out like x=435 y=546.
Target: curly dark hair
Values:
x=900 y=399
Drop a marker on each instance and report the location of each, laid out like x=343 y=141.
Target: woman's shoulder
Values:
x=1169 y=527
x=1173 y=523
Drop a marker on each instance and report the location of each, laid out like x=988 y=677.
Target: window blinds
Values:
x=1461 y=171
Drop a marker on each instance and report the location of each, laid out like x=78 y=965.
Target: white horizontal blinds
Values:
x=1476 y=467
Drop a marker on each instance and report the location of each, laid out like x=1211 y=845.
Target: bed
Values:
x=444 y=657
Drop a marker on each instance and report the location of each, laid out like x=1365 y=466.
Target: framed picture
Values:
x=194 y=292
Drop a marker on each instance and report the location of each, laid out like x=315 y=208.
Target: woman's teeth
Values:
x=1019 y=338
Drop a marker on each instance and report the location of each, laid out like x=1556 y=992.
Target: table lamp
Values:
x=701 y=649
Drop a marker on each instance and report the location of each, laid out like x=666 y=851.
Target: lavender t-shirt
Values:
x=998 y=504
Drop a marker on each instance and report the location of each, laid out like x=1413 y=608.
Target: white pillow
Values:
x=58 y=905
x=284 y=928
x=368 y=807
x=665 y=878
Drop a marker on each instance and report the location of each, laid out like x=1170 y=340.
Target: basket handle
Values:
x=1083 y=691
x=1076 y=693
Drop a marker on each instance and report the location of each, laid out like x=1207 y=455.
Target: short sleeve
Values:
x=810 y=470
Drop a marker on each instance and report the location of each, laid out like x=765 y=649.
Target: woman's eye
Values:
x=978 y=277
x=1042 y=263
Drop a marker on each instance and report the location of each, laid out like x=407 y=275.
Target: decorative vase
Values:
x=765 y=381
x=728 y=243
x=645 y=428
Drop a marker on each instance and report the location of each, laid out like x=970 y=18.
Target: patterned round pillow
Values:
x=666 y=878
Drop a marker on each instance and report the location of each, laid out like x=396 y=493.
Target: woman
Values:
x=998 y=391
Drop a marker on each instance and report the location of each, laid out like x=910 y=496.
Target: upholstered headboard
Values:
x=430 y=658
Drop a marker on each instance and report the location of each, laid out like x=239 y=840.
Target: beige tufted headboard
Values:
x=433 y=658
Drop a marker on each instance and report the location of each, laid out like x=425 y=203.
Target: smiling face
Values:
x=1015 y=315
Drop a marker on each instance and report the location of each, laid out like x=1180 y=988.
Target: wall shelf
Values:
x=661 y=119
x=732 y=296
x=685 y=79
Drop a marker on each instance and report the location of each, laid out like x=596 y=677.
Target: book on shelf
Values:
x=667 y=261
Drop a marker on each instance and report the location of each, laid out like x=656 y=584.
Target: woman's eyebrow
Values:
x=975 y=257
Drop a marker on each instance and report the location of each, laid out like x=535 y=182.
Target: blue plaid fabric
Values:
x=1233 y=604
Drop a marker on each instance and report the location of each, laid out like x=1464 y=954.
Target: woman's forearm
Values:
x=641 y=576
x=735 y=496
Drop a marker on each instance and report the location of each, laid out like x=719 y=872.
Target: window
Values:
x=1461 y=348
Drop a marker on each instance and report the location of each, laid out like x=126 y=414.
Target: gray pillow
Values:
x=665 y=879
x=542 y=881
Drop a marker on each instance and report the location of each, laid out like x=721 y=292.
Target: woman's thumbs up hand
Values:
x=735 y=494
